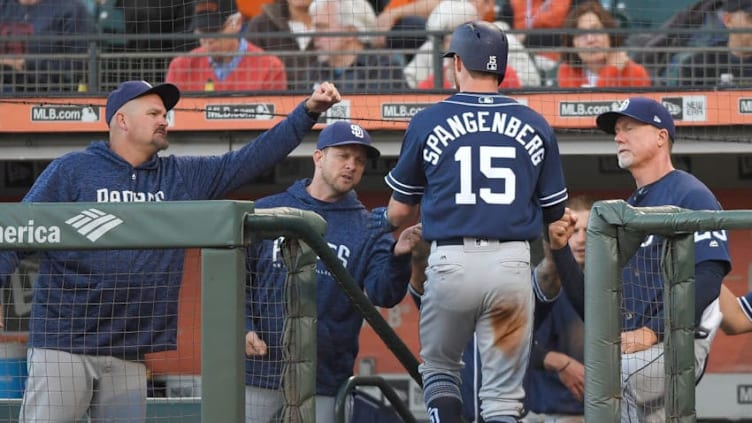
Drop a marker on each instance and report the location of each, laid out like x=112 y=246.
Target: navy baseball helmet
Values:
x=482 y=46
x=343 y=132
x=643 y=109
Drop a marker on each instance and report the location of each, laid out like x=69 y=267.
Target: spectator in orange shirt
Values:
x=539 y=17
x=598 y=61
x=225 y=64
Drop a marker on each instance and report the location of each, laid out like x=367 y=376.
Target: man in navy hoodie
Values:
x=375 y=261
x=95 y=314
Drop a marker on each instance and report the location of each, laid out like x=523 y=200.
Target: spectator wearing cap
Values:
x=285 y=26
x=731 y=66
x=95 y=314
x=379 y=265
x=225 y=61
x=346 y=59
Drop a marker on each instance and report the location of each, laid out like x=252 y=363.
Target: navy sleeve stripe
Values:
x=746 y=306
x=402 y=188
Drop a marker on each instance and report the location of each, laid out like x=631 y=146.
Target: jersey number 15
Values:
x=487 y=154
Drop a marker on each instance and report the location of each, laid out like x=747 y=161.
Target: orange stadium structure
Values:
x=388 y=112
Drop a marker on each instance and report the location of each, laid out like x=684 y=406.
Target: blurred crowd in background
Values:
x=367 y=46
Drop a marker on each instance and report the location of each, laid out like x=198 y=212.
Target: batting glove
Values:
x=380 y=221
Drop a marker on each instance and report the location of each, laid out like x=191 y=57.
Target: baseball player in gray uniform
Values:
x=485 y=173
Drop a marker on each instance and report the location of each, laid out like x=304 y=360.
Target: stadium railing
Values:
x=222 y=230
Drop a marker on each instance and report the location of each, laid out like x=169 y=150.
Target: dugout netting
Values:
x=85 y=48
x=615 y=232
x=116 y=276
x=90 y=273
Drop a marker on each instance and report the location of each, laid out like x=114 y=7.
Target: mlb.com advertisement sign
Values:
x=401 y=111
x=586 y=108
x=690 y=108
x=70 y=113
x=65 y=113
x=252 y=111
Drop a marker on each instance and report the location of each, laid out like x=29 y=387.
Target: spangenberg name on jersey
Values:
x=29 y=234
x=483 y=121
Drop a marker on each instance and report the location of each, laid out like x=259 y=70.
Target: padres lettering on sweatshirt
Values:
x=123 y=303
x=367 y=256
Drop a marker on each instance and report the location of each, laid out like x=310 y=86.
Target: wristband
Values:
x=564 y=367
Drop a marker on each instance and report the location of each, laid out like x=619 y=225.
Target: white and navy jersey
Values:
x=642 y=281
x=481 y=165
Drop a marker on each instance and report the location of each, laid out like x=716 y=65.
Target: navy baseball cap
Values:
x=645 y=110
x=129 y=90
x=738 y=6
x=345 y=133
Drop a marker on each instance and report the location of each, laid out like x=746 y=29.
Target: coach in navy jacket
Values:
x=644 y=133
x=376 y=263
x=123 y=303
